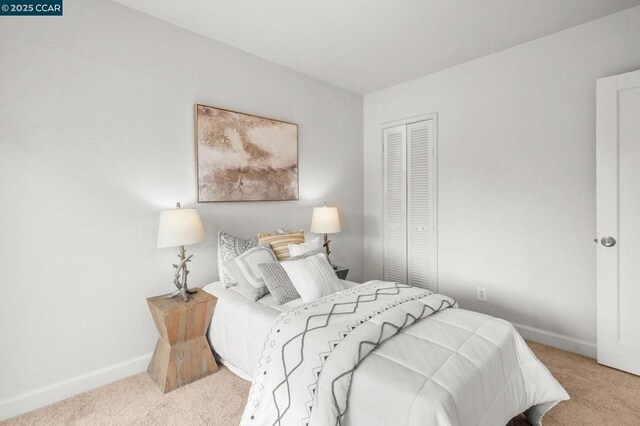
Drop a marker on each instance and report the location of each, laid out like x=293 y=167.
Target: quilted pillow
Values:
x=277 y=280
x=280 y=242
x=298 y=249
x=244 y=270
x=230 y=247
x=313 y=277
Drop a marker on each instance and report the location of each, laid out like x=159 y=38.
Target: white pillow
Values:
x=230 y=247
x=245 y=271
x=300 y=249
x=313 y=277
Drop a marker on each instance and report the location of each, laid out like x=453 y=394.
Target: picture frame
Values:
x=244 y=157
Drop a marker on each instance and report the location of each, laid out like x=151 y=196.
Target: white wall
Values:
x=516 y=175
x=96 y=138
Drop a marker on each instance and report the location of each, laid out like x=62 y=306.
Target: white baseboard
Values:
x=55 y=392
x=556 y=340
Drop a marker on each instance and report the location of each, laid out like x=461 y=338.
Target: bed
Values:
x=239 y=327
x=406 y=356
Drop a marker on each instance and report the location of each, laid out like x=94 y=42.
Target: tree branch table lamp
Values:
x=178 y=228
x=325 y=220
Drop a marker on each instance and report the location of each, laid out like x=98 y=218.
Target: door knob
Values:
x=608 y=241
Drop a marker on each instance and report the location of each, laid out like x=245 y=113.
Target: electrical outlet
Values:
x=481 y=294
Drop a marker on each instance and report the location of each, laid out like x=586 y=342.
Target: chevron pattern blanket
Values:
x=310 y=354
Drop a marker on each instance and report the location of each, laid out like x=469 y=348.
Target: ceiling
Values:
x=367 y=45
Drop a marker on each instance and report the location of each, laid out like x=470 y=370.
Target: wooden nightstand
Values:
x=341 y=271
x=182 y=354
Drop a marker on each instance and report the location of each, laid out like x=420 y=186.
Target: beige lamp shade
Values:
x=180 y=227
x=325 y=220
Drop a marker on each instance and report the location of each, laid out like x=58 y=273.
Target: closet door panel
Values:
x=395 y=204
x=421 y=247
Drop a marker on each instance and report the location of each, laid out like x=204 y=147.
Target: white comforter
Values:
x=239 y=326
x=451 y=367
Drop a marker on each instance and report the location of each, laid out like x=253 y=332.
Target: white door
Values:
x=409 y=224
x=618 y=221
x=421 y=199
x=395 y=204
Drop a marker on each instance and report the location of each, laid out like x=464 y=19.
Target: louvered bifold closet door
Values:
x=395 y=204
x=421 y=247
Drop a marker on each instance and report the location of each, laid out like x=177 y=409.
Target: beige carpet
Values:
x=600 y=396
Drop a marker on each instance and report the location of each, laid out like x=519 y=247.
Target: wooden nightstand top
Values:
x=177 y=320
x=168 y=305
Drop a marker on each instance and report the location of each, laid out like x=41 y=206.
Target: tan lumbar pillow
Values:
x=280 y=242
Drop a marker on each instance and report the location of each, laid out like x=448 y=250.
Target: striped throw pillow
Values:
x=280 y=242
x=277 y=280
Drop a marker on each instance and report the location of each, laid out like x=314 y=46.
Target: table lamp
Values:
x=325 y=220
x=179 y=228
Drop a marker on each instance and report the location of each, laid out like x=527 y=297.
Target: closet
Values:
x=409 y=199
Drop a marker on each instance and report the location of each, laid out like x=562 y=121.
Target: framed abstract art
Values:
x=242 y=157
